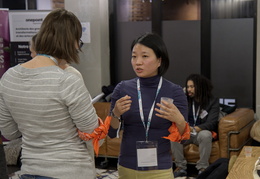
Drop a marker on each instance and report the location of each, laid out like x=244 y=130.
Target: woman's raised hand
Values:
x=122 y=105
x=169 y=111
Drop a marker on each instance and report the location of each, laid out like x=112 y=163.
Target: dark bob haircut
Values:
x=155 y=42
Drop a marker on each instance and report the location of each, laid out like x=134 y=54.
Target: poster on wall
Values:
x=4 y=42
x=23 y=25
x=85 y=32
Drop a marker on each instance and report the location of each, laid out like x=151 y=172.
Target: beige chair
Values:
x=234 y=133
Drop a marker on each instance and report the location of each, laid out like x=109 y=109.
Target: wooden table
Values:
x=244 y=166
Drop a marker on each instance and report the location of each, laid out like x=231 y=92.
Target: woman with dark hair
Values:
x=47 y=105
x=145 y=148
x=203 y=120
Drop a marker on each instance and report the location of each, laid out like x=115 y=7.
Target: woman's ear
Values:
x=159 y=62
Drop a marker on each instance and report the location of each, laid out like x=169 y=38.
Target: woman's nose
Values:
x=139 y=61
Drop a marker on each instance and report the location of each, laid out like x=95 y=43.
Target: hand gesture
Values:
x=122 y=105
x=169 y=111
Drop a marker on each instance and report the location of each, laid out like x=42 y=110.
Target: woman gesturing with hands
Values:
x=145 y=148
x=171 y=112
x=122 y=105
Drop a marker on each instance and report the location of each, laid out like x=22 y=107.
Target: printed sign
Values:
x=85 y=32
x=23 y=25
x=4 y=42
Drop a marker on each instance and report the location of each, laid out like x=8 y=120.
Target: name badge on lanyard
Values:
x=195 y=116
x=147 y=150
x=146 y=155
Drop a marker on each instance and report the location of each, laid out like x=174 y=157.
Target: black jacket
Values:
x=210 y=121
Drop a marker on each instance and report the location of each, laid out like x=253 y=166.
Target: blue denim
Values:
x=26 y=176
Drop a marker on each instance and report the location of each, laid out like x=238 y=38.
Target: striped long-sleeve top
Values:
x=46 y=106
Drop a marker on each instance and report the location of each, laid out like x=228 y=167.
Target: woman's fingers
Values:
x=123 y=104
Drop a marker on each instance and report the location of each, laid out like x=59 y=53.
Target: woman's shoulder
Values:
x=14 y=68
x=125 y=83
x=73 y=70
x=170 y=85
x=8 y=74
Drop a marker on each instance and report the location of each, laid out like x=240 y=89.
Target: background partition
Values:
x=232 y=69
x=126 y=33
x=229 y=42
x=182 y=39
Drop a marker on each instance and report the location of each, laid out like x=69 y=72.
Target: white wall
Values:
x=258 y=63
x=44 y=5
x=94 y=61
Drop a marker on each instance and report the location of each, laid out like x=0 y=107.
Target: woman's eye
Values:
x=145 y=56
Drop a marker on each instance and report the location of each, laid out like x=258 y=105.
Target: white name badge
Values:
x=203 y=114
x=147 y=155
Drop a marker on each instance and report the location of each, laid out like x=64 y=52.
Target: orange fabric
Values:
x=175 y=136
x=98 y=134
x=214 y=135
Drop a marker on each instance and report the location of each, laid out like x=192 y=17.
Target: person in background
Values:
x=32 y=46
x=144 y=152
x=46 y=105
x=203 y=120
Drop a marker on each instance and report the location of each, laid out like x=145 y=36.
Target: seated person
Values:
x=203 y=114
x=32 y=46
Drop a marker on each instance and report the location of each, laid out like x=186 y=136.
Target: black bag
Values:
x=227 y=109
x=217 y=170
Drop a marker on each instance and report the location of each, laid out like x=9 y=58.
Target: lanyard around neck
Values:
x=195 y=116
x=141 y=107
x=50 y=57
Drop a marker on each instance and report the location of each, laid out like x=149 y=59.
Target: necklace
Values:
x=50 y=57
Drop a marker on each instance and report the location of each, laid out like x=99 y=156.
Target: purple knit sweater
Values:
x=132 y=124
